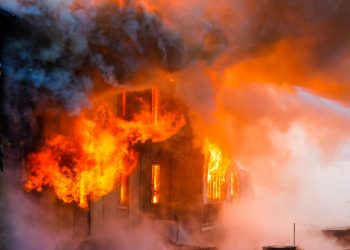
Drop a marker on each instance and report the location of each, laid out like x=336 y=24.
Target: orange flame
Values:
x=217 y=165
x=86 y=162
x=155 y=183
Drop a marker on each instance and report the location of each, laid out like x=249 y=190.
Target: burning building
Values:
x=156 y=181
x=142 y=112
x=123 y=153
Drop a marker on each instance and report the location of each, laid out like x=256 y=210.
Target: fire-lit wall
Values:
x=180 y=179
x=180 y=190
x=181 y=184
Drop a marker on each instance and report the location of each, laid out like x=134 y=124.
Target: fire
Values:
x=155 y=183
x=86 y=162
x=217 y=165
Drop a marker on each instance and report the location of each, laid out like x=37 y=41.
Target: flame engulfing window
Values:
x=155 y=183
x=216 y=166
x=124 y=190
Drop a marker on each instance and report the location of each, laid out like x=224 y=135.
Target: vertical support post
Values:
x=89 y=215
x=103 y=213
x=294 y=234
x=74 y=219
x=140 y=191
x=155 y=105
x=124 y=103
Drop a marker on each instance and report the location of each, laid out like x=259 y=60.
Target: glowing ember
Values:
x=217 y=165
x=85 y=163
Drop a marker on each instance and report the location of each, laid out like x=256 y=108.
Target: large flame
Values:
x=85 y=162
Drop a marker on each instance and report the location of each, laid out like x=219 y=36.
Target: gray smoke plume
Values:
x=60 y=49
